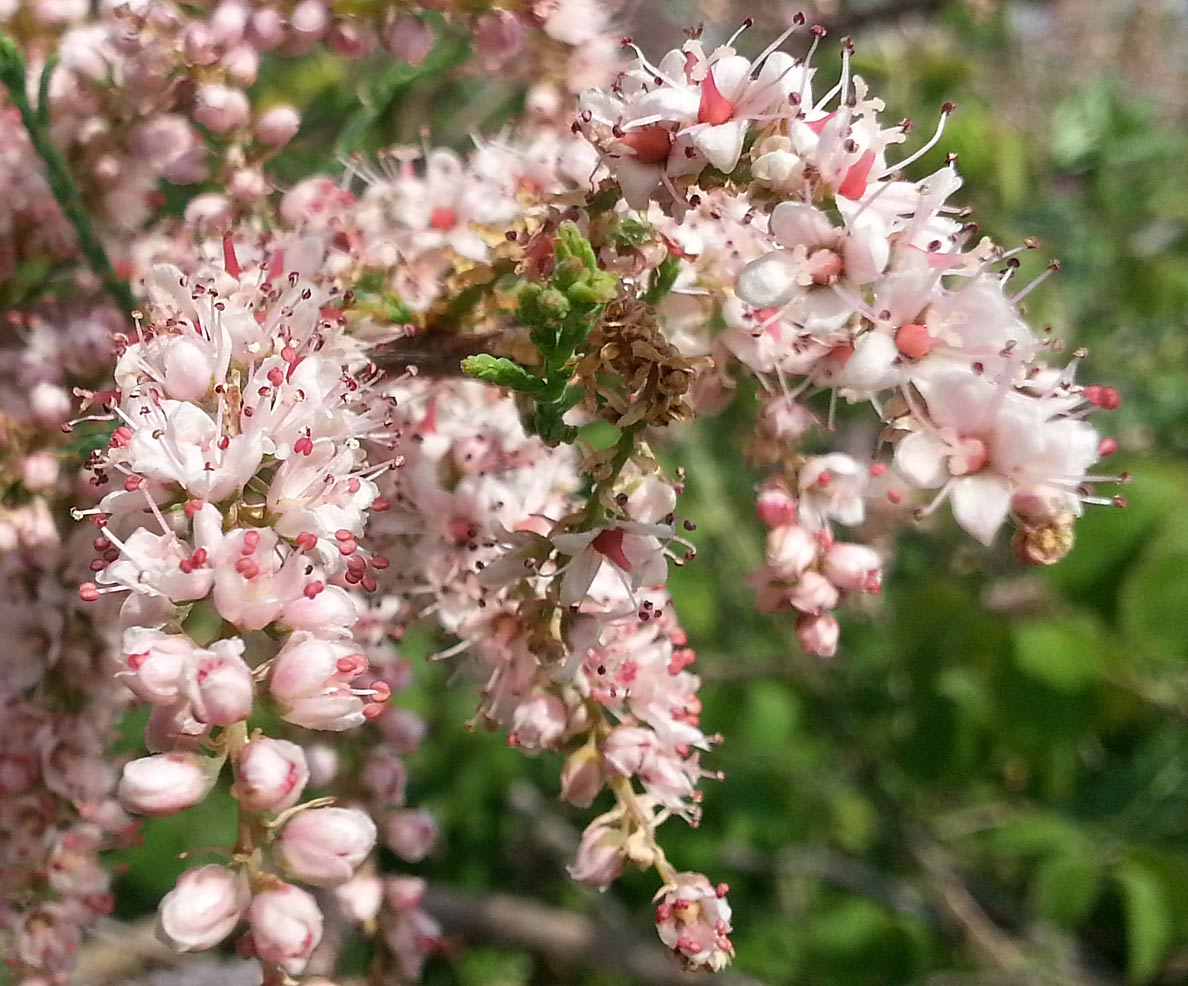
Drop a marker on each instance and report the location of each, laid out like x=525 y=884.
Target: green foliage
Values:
x=559 y=315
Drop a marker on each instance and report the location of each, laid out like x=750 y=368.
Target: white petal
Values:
x=770 y=281
x=722 y=144
x=637 y=180
x=578 y=576
x=920 y=459
x=872 y=365
x=730 y=75
x=794 y=223
x=980 y=504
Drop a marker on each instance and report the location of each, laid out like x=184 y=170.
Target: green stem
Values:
x=13 y=76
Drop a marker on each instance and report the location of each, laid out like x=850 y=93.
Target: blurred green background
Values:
x=989 y=784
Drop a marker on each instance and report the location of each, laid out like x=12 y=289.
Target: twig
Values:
x=14 y=76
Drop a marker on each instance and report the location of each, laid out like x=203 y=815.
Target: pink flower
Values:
x=323 y=846
x=693 y=919
x=311 y=679
x=286 y=926
x=203 y=908
x=633 y=549
x=982 y=443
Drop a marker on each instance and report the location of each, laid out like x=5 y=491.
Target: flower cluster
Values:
x=835 y=273
x=286 y=468
x=239 y=490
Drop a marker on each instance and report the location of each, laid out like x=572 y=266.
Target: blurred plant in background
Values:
x=987 y=785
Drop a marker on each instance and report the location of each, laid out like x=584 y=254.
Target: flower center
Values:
x=912 y=340
x=610 y=544
x=651 y=144
x=825 y=266
x=443 y=218
x=715 y=108
x=969 y=456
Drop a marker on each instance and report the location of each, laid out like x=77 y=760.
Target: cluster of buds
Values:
x=805 y=569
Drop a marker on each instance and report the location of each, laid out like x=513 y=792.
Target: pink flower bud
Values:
x=411 y=834
x=209 y=213
x=403 y=893
x=311 y=680
x=229 y=22
x=163 y=138
x=498 y=36
x=384 y=777
x=538 y=723
x=582 y=776
x=600 y=857
x=187 y=168
x=270 y=775
x=202 y=909
x=776 y=506
x=855 y=567
x=328 y=613
x=199 y=44
x=818 y=635
x=188 y=365
x=166 y=783
x=308 y=24
x=50 y=404
x=814 y=593
x=277 y=126
x=323 y=846
x=242 y=65
x=409 y=38
x=219 y=685
x=286 y=926
x=266 y=29
x=39 y=471
x=352 y=39
x=247 y=185
x=221 y=108
x=403 y=729
x=360 y=898
x=155 y=661
x=790 y=550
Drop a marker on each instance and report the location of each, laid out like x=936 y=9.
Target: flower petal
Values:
x=980 y=504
